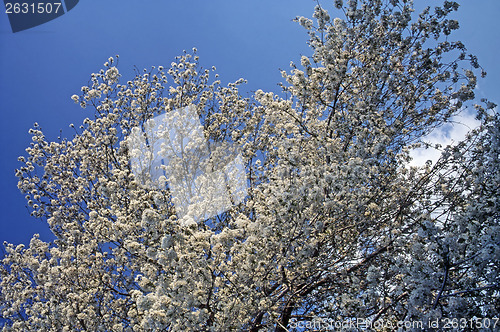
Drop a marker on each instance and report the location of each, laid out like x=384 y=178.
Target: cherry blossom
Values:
x=336 y=224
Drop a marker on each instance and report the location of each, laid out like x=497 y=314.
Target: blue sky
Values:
x=42 y=67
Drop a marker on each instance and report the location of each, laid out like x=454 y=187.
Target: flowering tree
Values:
x=335 y=227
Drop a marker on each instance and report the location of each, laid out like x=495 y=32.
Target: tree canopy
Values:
x=336 y=226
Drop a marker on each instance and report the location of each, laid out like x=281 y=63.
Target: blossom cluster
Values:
x=336 y=224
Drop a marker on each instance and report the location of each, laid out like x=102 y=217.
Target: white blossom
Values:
x=335 y=222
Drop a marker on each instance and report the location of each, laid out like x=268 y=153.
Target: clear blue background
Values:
x=42 y=67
